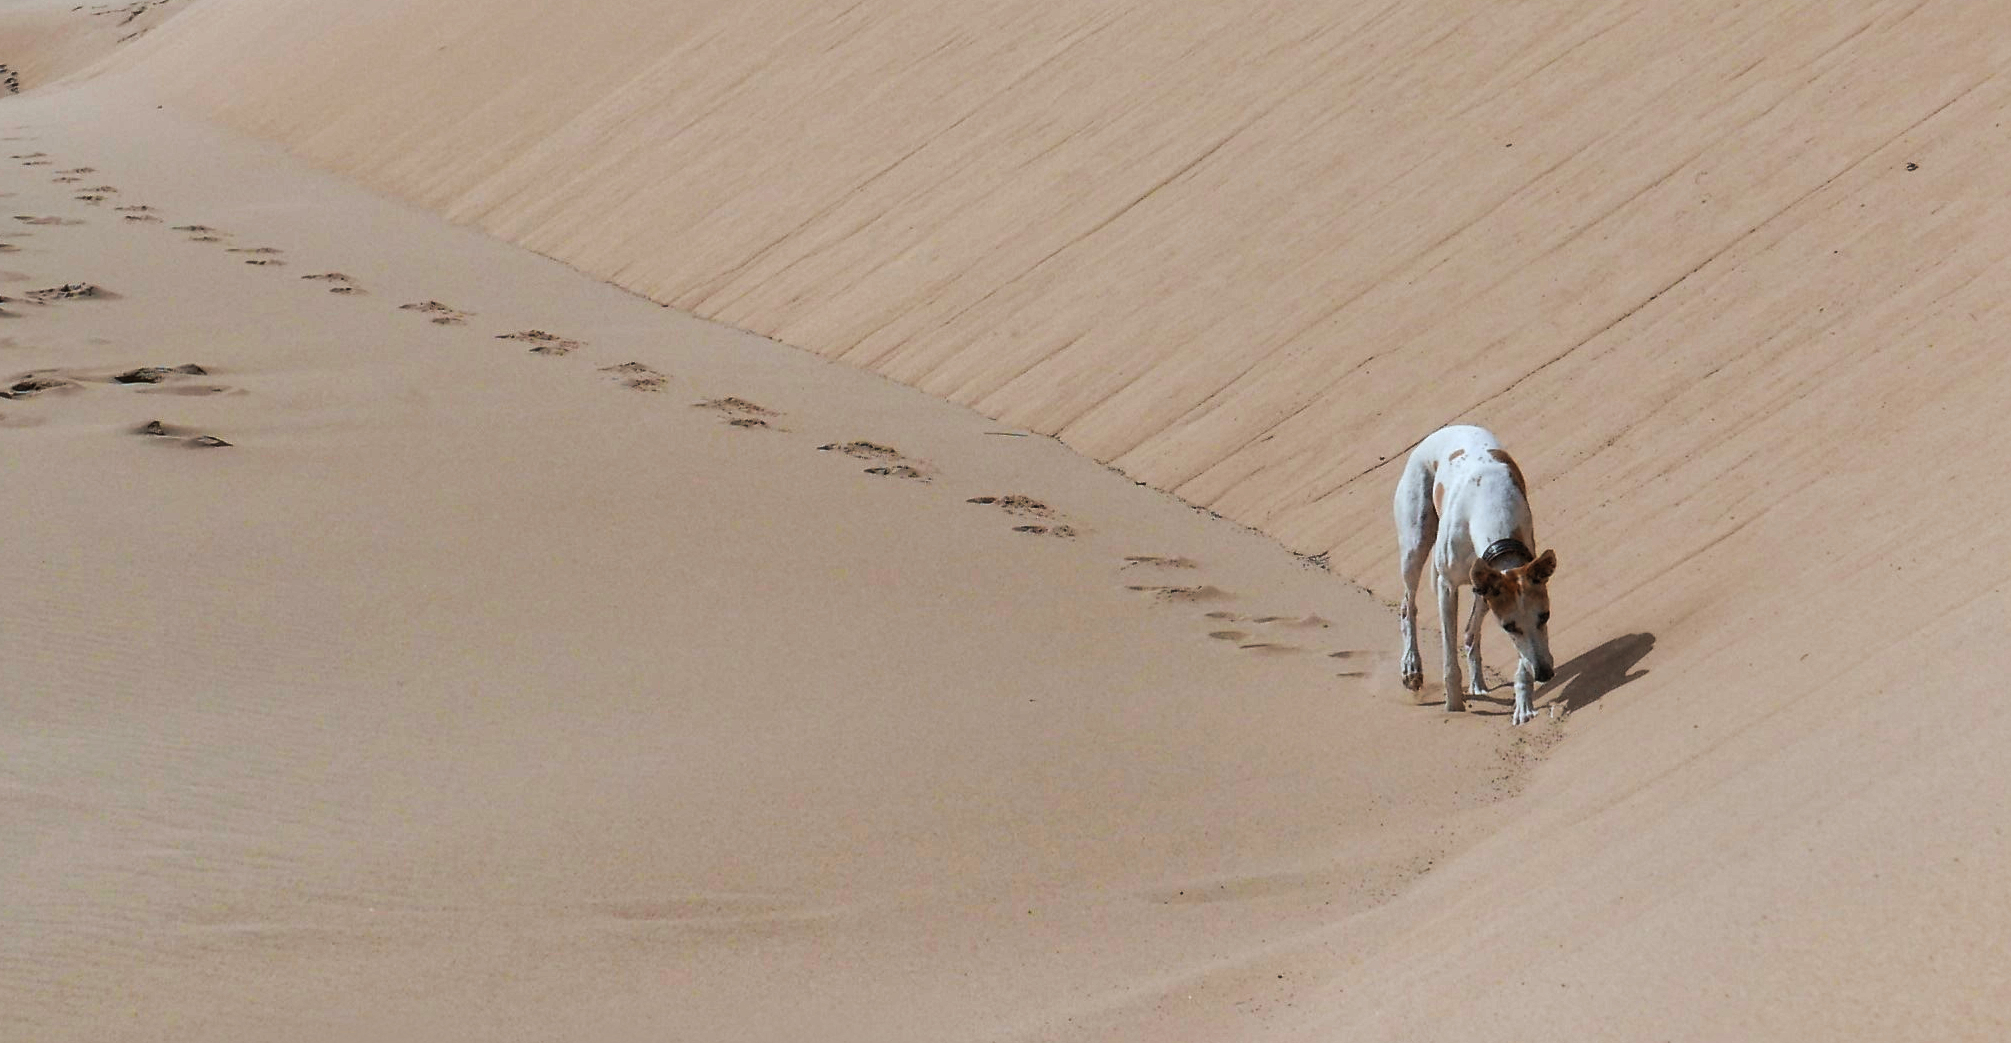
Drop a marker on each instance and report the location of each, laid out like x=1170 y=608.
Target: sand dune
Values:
x=1727 y=277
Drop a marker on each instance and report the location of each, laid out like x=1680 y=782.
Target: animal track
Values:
x=267 y=250
x=543 y=343
x=267 y=261
x=738 y=411
x=1027 y=507
x=1202 y=592
x=344 y=284
x=439 y=313
x=1014 y=503
x=888 y=461
x=29 y=220
x=169 y=380
x=156 y=374
x=637 y=377
x=30 y=384
x=164 y=432
x=1156 y=562
x=142 y=217
x=67 y=292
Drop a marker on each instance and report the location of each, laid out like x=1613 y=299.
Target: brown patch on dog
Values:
x=1438 y=497
x=1454 y=455
x=1514 y=472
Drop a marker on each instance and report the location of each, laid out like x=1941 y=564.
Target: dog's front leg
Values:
x=1448 y=617
x=1476 y=684
x=1525 y=691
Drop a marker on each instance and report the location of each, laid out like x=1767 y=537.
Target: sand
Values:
x=481 y=691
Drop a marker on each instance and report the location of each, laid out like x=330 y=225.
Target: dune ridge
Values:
x=1726 y=277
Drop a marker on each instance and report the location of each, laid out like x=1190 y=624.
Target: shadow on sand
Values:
x=1586 y=679
x=1579 y=683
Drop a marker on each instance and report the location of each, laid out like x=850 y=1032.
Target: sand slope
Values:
x=1728 y=277
x=539 y=662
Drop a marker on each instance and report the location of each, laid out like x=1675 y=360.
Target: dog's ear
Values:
x=1541 y=568
x=1486 y=580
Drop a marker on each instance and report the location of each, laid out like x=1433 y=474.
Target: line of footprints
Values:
x=1257 y=634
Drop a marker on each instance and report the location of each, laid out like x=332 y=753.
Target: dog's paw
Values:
x=1523 y=713
x=1413 y=679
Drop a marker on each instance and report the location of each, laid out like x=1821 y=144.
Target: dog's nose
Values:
x=1544 y=674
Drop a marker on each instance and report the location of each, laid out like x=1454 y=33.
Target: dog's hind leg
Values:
x=1417 y=532
x=1476 y=684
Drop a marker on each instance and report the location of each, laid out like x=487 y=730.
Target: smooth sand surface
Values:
x=1729 y=278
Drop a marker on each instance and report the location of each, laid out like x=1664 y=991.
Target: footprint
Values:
x=1156 y=562
x=889 y=462
x=738 y=411
x=267 y=261
x=64 y=180
x=28 y=155
x=637 y=377
x=1027 y=507
x=255 y=250
x=440 y=313
x=157 y=374
x=1014 y=503
x=543 y=343
x=1228 y=635
x=1308 y=622
x=28 y=220
x=67 y=292
x=1271 y=648
x=28 y=385
x=1227 y=617
x=142 y=217
x=1204 y=592
x=344 y=284
x=79 y=170
x=169 y=380
x=862 y=450
x=139 y=208
x=92 y=199
x=109 y=190
x=165 y=432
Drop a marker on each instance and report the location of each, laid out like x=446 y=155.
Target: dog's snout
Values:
x=1544 y=673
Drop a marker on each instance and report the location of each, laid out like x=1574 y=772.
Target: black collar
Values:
x=1503 y=549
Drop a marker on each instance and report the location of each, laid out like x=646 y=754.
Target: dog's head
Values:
x=1520 y=599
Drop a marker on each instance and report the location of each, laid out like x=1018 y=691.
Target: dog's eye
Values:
x=1543 y=619
x=1511 y=628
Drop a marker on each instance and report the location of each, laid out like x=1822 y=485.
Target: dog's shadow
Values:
x=1588 y=678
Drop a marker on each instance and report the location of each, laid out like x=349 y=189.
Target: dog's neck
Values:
x=1505 y=554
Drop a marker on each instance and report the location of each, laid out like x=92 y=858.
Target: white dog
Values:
x=1462 y=500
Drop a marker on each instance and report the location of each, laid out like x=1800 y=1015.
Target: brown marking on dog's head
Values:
x=1454 y=455
x=1514 y=472
x=1438 y=497
x=1520 y=600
